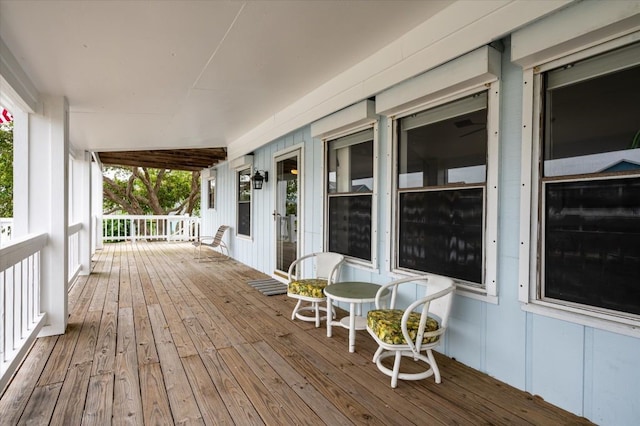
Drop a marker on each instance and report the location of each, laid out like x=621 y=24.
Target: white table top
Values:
x=352 y=291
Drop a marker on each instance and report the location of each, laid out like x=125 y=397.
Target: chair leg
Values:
x=377 y=354
x=317 y=306
x=295 y=309
x=396 y=370
x=434 y=366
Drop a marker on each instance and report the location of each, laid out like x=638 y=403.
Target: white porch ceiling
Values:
x=192 y=74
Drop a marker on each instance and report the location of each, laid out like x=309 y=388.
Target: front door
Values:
x=286 y=214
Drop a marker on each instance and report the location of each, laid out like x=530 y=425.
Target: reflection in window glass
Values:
x=351 y=163
x=444 y=145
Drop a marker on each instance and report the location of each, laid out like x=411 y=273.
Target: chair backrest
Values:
x=219 y=234
x=439 y=293
x=327 y=265
x=437 y=296
x=317 y=265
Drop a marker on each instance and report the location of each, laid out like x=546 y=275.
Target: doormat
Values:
x=269 y=286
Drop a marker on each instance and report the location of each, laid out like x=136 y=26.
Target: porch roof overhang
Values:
x=173 y=159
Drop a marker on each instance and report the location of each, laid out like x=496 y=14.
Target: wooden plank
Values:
x=40 y=407
x=146 y=349
x=56 y=369
x=16 y=396
x=127 y=407
x=183 y=344
x=271 y=411
x=279 y=389
x=308 y=393
x=73 y=394
x=150 y=297
x=125 y=296
x=181 y=399
x=209 y=400
x=238 y=404
x=105 y=354
x=155 y=402
x=99 y=405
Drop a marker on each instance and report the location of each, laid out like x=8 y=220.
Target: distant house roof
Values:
x=621 y=166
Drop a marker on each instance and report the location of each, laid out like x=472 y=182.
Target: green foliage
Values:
x=138 y=190
x=6 y=170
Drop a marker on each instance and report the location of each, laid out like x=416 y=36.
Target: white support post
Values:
x=48 y=206
x=83 y=208
x=20 y=225
x=96 y=206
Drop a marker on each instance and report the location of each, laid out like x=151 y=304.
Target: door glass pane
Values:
x=286 y=214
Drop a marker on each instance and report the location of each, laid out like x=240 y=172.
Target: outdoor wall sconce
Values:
x=258 y=179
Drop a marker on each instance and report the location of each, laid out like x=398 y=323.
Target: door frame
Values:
x=278 y=156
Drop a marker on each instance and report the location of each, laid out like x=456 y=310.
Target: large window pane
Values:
x=444 y=145
x=441 y=232
x=350 y=226
x=351 y=163
x=592 y=125
x=592 y=243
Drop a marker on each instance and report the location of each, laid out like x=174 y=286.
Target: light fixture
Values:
x=258 y=179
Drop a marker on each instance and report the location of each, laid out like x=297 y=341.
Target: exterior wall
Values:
x=585 y=370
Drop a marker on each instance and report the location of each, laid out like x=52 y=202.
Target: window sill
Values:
x=477 y=294
x=600 y=321
x=483 y=297
x=365 y=266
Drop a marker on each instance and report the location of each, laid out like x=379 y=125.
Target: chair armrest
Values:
x=425 y=302
x=295 y=263
x=394 y=291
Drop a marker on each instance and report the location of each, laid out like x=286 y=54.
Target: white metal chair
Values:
x=308 y=276
x=213 y=242
x=408 y=332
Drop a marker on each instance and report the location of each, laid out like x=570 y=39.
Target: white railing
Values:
x=21 y=318
x=74 y=251
x=141 y=227
x=6 y=227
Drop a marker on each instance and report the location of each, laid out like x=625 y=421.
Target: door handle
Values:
x=275 y=215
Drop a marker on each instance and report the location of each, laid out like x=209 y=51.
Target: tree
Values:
x=144 y=191
x=6 y=170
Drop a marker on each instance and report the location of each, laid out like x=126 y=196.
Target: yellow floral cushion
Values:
x=386 y=324
x=310 y=287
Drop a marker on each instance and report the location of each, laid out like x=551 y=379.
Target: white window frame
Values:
x=530 y=204
x=374 y=195
x=489 y=291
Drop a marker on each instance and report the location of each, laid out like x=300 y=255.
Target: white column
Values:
x=83 y=199
x=48 y=206
x=20 y=226
x=96 y=206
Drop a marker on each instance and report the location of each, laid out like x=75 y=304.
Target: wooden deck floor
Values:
x=157 y=338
